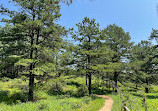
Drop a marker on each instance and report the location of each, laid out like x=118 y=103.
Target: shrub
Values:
x=19 y=96
x=56 y=87
x=4 y=79
x=82 y=91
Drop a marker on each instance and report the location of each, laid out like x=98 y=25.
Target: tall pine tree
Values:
x=118 y=41
x=35 y=24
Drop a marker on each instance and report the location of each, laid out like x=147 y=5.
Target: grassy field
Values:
x=13 y=96
x=69 y=94
x=57 y=104
x=135 y=100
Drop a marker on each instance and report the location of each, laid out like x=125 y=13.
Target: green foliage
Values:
x=33 y=34
x=32 y=45
x=47 y=68
x=24 y=62
x=141 y=64
x=135 y=100
x=9 y=94
x=82 y=91
x=56 y=87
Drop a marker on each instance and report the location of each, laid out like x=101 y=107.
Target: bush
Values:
x=56 y=87
x=4 y=79
x=18 y=97
x=82 y=91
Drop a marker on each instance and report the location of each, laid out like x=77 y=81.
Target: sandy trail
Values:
x=108 y=103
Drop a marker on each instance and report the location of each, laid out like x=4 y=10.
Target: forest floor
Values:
x=108 y=103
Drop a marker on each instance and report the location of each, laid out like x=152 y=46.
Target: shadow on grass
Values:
x=62 y=94
x=138 y=95
x=132 y=90
x=68 y=94
x=74 y=83
x=152 y=96
x=148 y=96
x=100 y=91
x=13 y=98
x=81 y=92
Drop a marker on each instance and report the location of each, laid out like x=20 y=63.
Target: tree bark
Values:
x=31 y=87
x=31 y=79
x=86 y=80
x=136 y=87
x=147 y=88
x=89 y=63
x=90 y=88
x=32 y=65
x=115 y=80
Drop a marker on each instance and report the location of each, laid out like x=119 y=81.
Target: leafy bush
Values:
x=3 y=95
x=56 y=87
x=82 y=91
x=4 y=79
x=20 y=96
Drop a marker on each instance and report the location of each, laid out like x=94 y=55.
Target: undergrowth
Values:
x=55 y=95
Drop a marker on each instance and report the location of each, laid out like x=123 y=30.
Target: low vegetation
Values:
x=42 y=69
x=136 y=101
x=61 y=95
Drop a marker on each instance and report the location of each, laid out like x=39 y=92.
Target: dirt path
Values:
x=108 y=103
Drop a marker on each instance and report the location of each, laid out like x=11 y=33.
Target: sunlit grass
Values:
x=11 y=90
x=56 y=103
x=135 y=102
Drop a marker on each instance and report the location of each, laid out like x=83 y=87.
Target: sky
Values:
x=137 y=17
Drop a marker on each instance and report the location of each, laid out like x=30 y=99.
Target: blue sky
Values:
x=135 y=16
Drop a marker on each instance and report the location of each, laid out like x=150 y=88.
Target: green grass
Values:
x=134 y=101
x=54 y=104
x=12 y=93
x=13 y=96
x=154 y=88
x=117 y=102
x=93 y=106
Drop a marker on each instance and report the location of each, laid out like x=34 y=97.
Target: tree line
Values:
x=33 y=44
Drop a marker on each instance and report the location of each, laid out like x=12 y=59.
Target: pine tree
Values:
x=87 y=34
x=92 y=55
x=141 y=63
x=119 y=42
x=35 y=24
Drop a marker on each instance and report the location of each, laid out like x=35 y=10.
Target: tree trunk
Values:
x=109 y=86
x=32 y=65
x=103 y=84
x=147 y=87
x=113 y=88
x=136 y=87
x=89 y=63
x=56 y=67
x=31 y=80
x=31 y=87
x=115 y=80
x=86 y=80
x=89 y=88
